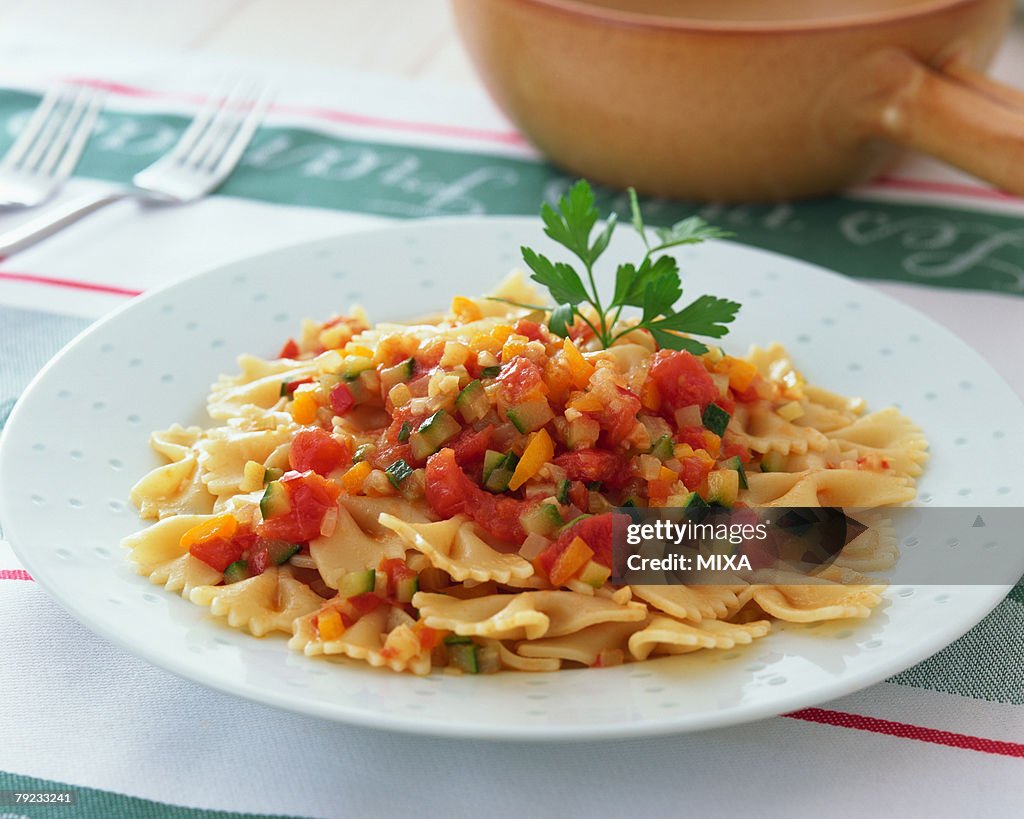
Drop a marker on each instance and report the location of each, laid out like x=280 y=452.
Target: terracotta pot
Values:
x=804 y=103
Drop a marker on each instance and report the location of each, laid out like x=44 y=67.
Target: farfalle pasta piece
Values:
x=383 y=638
x=158 y=554
x=873 y=550
x=258 y=384
x=224 y=452
x=261 y=604
x=528 y=615
x=367 y=512
x=175 y=442
x=516 y=662
x=827 y=487
x=759 y=428
x=888 y=436
x=694 y=603
x=584 y=646
x=455 y=547
x=666 y=635
x=350 y=549
x=799 y=599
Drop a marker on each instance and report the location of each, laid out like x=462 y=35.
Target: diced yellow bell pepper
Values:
x=304 y=408
x=741 y=374
x=666 y=474
x=358 y=350
x=538 y=452
x=501 y=332
x=790 y=411
x=222 y=527
x=352 y=481
x=580 y=368
x=329 y=625
x=466 y=310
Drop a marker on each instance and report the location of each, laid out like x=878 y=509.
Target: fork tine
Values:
x=187 y=141
x=81 y=136
x=78 y=106
x=32 y=128
x=243 y=136
x=51 y=128
x=223 y=123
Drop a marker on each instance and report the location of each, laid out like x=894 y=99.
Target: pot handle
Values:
x=951 y=111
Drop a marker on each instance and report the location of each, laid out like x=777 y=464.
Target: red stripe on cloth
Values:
x=904 y=730
x=14 y=574
x=952 y=188
x=51 y=281
x=335 y=115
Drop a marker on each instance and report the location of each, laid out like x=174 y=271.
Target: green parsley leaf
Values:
x=689 y=231
x=561 y=318
x=638 y=219
x=704 y=316
x=559 y=278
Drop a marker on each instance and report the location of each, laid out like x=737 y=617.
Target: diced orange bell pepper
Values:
x=570 y=562
x=304 y=408
x=514 y=345
x=222 y=527
x=580 y=368
x=352 y=481
x=741 y=374
x=712 y=443
x=329 y=625
x=538 y=452
x=586 y=402
x=466 y=310
x=650 y=398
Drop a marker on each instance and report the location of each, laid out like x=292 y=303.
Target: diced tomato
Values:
x=595 y=530
x=695 y=470
x=531 y=329
x=731 y=449
x=471 y=445
x=658 y=490
x=310 y=497
x=289 y=350
x=450 y=492
x=396 y=570
x=317 y=450
x=579 y=495
x=694 y=436
x=430 y=357
x=290 y=386
x=219 y=553
x=342 y=399
x=681 y=380
x=365 y=603
x=430 y=638
x=590 y=465
x=520 y=380
x=618 y=417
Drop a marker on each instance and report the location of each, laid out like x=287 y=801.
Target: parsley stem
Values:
x=518 y=304
x=592 y=327
x=603 y=335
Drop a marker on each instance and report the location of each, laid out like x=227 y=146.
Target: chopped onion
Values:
x=650 y=467
x=533 y=546
x=722 y=382
x=689 y=417
x=329 y=522
x=301 y=561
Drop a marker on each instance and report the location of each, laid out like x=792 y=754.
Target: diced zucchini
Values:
x=696 y=508
x=773 y=462
x=458 y=640
x=275 y=501
x=737 y=464
x=562 y=495
x=530 y=415
x=716 y=419
x=472 y=402
x=490 y=372
x=363 y=451
x=595 y=574
x=355 y=366
x=723 y=487
x=404 y=432
x=463 y=656
x=353 y=583
x=272 y=473
x=498 y=469
x=398 y=472
x=543 y=519
x=280 y=551
x=664 y=448
x=433 y=432
x=582 y=433
x=403 y=371
x=239 y=570
x=488 y=659
x=598 y=503
x=632 y=502
x=406 y=588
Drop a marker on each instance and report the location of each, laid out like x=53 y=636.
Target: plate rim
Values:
x=342 y=712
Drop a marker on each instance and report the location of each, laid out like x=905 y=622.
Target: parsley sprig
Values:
x=653 y=285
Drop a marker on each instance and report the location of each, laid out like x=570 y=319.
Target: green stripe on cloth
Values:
x=984 y=664
x=939 y=245
x=91 y=804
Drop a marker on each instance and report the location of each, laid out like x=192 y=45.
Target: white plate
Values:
x=76 y=442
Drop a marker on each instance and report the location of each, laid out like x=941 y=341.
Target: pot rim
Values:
x=660 y=22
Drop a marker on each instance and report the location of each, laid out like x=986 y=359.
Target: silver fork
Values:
x=199 y=163
x=49 y=146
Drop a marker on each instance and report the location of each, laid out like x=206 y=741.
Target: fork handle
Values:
x=53 y=220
